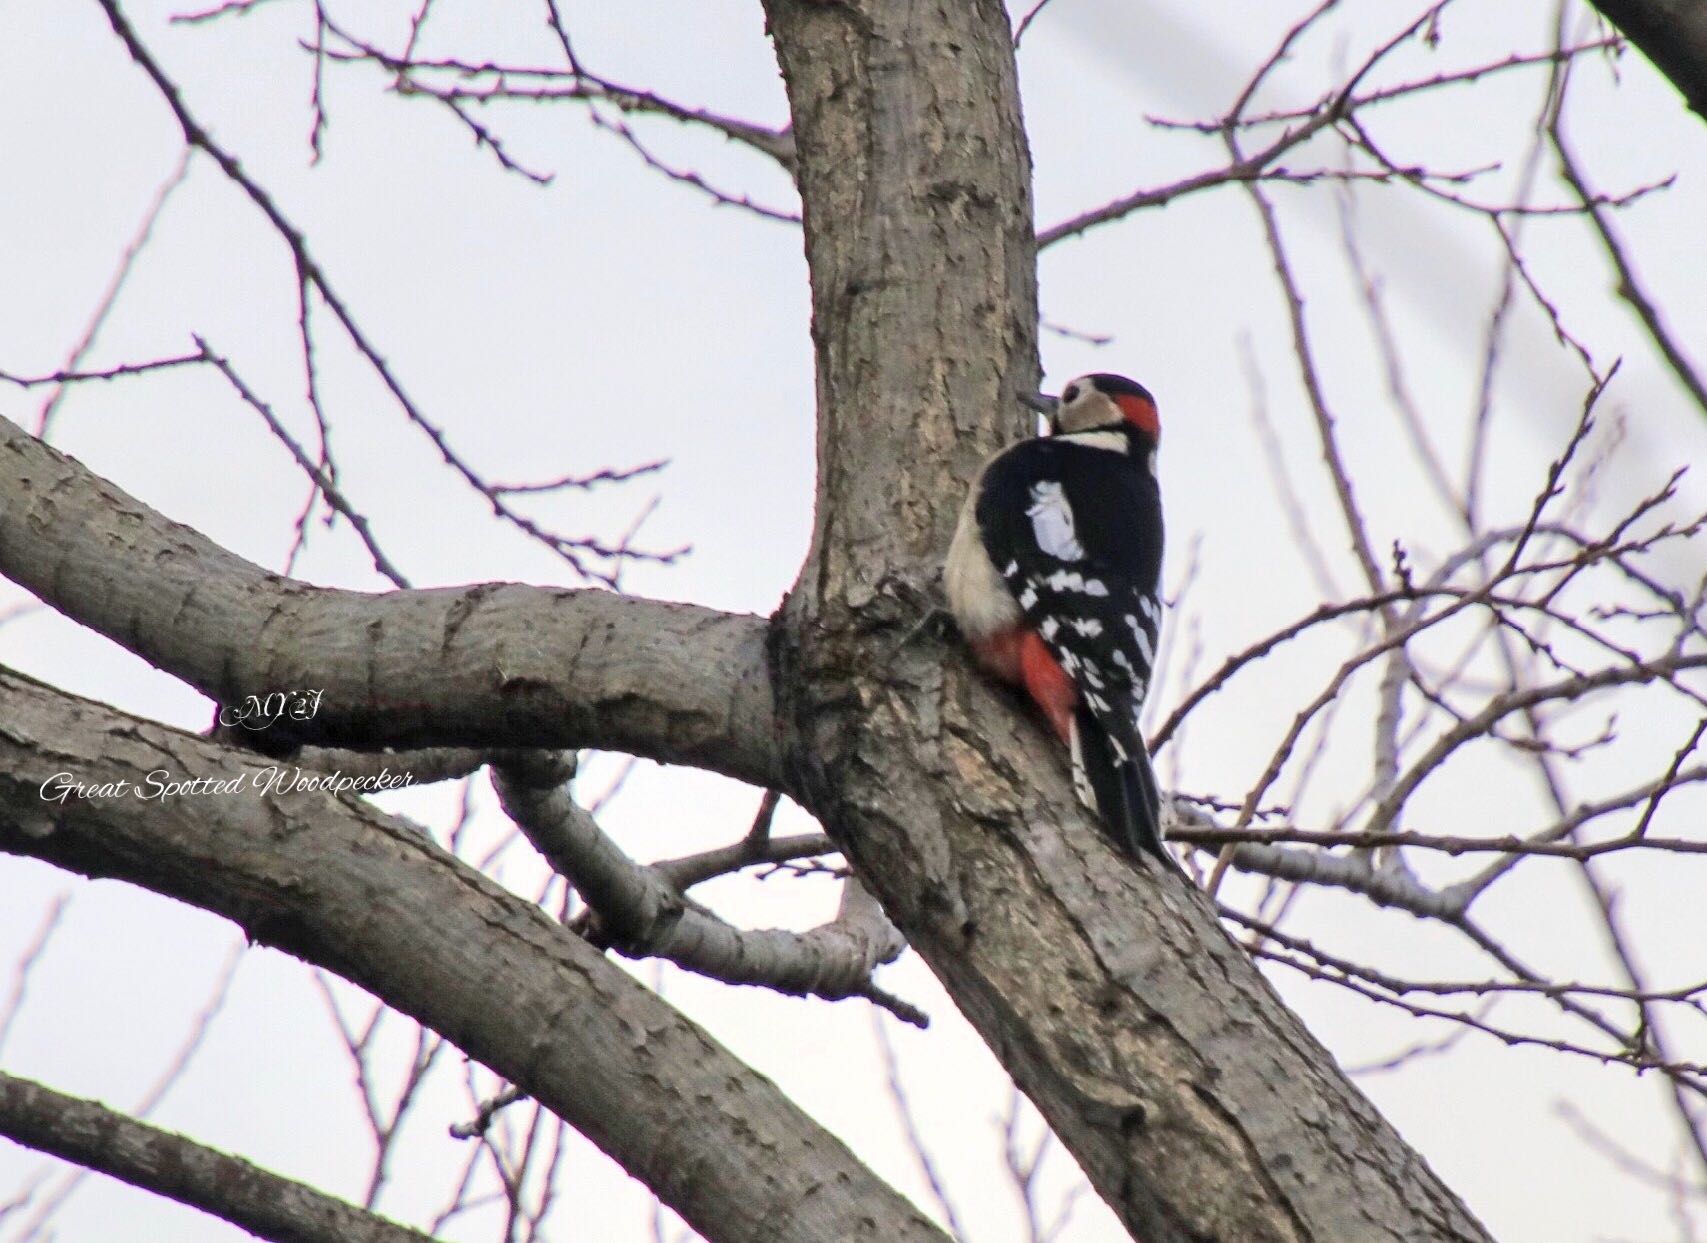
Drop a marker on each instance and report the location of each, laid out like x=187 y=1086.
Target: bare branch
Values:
x=489 y=81
x=317 y=474
x=1629 y=287
x=180 y=1169
x=723 y=198
x=582 y=554
x=1564 y=690
x=1356 y=528
x=225 y=9
x=115 y=285
x=917 y=1146
x=585 y=482
x=1242 y=170
x=1025 y=22
x=1540 y=846
x=1286 y=492
x=489 y=1109
x=1379 y=95
x=690 y=870
x=641 y=914
x=26 y=964
x=424 y=766
x=200 y=1026
x=1349 y=872
x=61 y=378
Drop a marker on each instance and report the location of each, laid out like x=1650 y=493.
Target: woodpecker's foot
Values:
x=915 y=599
x=935 y=620
x=920 y=608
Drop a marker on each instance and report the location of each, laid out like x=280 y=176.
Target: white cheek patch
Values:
x=1113 y=442
x=1052 y=522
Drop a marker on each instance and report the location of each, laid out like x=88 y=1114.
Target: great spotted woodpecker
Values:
x=1053 y=580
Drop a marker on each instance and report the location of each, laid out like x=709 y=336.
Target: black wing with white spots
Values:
x=1074 y=526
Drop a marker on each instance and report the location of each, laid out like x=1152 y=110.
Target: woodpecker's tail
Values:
x=1122 y=792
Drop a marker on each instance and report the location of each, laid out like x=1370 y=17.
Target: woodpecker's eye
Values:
x=1070 y=394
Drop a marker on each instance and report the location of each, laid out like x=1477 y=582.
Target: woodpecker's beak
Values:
x=1044 y=404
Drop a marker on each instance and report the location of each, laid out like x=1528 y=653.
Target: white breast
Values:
x=979 y=599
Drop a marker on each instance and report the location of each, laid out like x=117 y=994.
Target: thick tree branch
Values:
x=690 y=870
x=493 y=665
x=344 y=886
x=426 y=766
x=643 y=915
x=180 y=1169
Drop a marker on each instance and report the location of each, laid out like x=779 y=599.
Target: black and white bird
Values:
x=1053 y=579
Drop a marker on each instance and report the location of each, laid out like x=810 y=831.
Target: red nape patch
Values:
x=1140 y=412
x=1048 y=684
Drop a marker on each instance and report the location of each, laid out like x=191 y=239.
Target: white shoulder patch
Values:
x=1052 y=522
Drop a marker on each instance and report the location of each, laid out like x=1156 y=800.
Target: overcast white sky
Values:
x=613 y=318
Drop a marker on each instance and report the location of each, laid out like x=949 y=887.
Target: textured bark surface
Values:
x=498 y=664
x=344 y=886
x=1672 y=34
x=1197 y=1104
x=264 y=1204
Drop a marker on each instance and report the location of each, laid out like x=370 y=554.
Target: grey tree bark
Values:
x=492 y=665
x=1199 y=1107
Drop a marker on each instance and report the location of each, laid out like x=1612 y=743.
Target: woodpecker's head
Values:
x=1104 y=400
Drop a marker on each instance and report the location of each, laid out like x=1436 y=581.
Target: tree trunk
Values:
x=1197 y=1104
